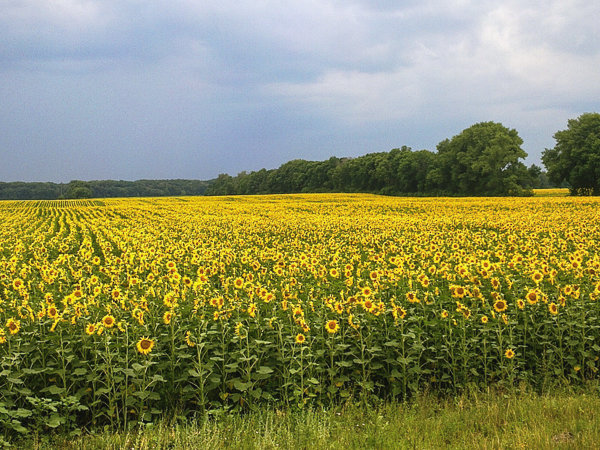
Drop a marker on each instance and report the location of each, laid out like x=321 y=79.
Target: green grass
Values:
x=491 y=420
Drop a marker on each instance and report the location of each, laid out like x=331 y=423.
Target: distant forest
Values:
x=101 y=189
x=482 y=160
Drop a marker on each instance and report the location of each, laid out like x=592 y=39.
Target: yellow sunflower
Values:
x=13 y=326
x=500 y=305
x=332 y=326
x=108 y=321
x=144 y=345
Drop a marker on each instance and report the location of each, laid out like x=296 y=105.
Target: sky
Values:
x=153 y=89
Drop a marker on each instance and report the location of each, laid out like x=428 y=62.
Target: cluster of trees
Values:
x=101 y=189
x=482 y=160
x=575 y=159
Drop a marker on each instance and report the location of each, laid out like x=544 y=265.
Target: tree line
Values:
x=101 y=189
x=484 y=159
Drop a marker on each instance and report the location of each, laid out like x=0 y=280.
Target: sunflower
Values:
x=553 y=308
x=108 y=321
x=368 y=305
x=532 y=296
x=537 y=277
x=458 y=292
x=332 y=326
x=484 y=319
x=300 y=338
x=500 y=305
x=509 y=354
x=144 y=345
x=366 y=291
x=167 y=316
x=13 y=326
x=411 y=296
x=18 y=283
x=399 y=311
x=90 y=329
x=495 y=283
x=520 y=304
x=238 y=283
x=188 y=339
x=52 y=312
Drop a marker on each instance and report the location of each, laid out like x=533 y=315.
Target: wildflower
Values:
x=300 y=338
x=509 y=354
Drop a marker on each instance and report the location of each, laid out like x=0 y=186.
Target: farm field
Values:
x=119 y=312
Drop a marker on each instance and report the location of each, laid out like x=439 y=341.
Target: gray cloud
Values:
x=184 y=89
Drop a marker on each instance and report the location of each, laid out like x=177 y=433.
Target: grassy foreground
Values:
x=491 y=420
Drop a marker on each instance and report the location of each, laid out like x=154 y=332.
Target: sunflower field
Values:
x=117 y=312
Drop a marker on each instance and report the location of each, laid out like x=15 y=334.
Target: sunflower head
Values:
x=332 y=326
x=145 y=345
x=108 y=321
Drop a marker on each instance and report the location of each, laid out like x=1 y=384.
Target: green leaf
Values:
x=22 y=413
x=264 y=370
x=55 y=390
x=241 y=386
x=54 y=421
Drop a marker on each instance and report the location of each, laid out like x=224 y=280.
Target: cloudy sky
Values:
x=132 y=89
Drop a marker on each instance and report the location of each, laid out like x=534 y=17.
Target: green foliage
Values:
x=483 y=160
x=576 y=155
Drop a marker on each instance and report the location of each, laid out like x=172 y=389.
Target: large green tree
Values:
x=576 y=156
x=483 y=160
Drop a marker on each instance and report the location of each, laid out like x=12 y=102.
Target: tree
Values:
x=483 y=160
x=78 y=189
x=576 y=156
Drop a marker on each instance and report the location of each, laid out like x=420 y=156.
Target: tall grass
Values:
x=474 y=420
